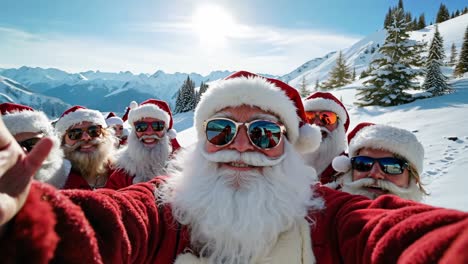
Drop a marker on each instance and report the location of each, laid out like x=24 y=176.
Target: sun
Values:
x=212 y=24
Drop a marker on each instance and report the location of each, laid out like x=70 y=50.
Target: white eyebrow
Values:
x=261 y=116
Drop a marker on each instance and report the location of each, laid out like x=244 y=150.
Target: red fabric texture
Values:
x=76 y=181
x=119 y=179
x=130 y=227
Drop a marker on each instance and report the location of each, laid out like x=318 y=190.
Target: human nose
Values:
x=376 y=172
x=85 y=135
x=241 y=142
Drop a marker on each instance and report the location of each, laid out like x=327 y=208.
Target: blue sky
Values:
x=188 y=36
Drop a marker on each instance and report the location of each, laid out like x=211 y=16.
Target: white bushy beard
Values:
x=55 y=169
x=238 y=225
x=330 y=147
x=93 y=163
x=142 y=162
x=412 y=192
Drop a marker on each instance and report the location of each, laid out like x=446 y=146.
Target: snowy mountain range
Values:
x=108 y=91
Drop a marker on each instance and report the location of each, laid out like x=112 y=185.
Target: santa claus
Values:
x=28 y=126
x=150 y=144
x=330 y=115
x=231 y=201
x=382 y=160
x=88 y=145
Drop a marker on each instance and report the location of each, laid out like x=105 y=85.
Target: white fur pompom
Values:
x=309 y=138
x=133 y=105
x=172 y=133
x=341 y=163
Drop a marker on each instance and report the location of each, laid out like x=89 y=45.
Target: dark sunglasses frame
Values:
x=384 y=164
x=29 y=143
x=320 y=116
x=93 y=131
x=247 y=126
x=157 y=126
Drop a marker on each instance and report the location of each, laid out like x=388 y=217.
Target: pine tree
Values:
x=388 y=18
x=353 y=76
x=186 y=99
x=393 y=72
x=462 y=65
x=453 y=55
x=340 y=75
x=303 y=91
x=435 y=82
x=400 y=5
x=421 y=21
x=317 y=85
x=442 y=14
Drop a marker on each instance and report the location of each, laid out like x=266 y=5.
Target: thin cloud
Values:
x=256 y=48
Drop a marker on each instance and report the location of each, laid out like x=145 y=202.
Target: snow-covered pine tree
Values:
x=453 y=55
x=186 y=100
x=340 y=75
x=392 y=71
x=435 y=82
x=303 y=91
x=201 y=90
x=462 y=65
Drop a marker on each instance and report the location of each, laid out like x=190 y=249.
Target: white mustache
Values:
x=150 y=136
x=249 y=158
x=383 y=184
x=78 y=144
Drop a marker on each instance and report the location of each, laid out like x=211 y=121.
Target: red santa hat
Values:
x=384 y=137
x=112 y=120
x=155 y=109
x=327 y=102
x=76 y=115
x=20 y=118
x=277 y=97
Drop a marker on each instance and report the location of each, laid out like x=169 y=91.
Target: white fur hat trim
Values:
x=316 y=104
x=255 y=91
x=27 y=121
x=115 y=120
x=77 y=117
x=396 y=140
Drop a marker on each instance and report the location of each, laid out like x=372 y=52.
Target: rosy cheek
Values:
x=210 y=148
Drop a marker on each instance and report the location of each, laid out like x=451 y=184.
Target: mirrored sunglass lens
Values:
x=157 y=125
x=391 y=165
x=75 y=134
x=328 y=118
x=94 y=131
x=265 y=134
x=220 y=132
x=310 y=116
x=363 y=164
x=141 y=127
x=29 y=143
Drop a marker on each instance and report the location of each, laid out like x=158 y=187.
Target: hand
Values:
x=16 y=171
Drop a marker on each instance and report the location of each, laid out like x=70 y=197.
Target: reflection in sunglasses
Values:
x=28 y=144
x=142 y=126
x=389 y=165
x=325 y=117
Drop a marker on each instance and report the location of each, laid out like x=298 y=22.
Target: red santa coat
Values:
x=76 y=181
x=128 y=227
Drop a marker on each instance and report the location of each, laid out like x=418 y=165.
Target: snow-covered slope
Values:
x=359 y=55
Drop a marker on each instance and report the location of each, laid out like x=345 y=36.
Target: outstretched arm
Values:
x=16 y=171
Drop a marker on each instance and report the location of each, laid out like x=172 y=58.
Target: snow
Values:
x=433 y=120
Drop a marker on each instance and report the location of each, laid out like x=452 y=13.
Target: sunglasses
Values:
x=263 y=134
x=390 y=165
x=77 y=133
x=325 y=117
x=28 y=144
x=142 y=126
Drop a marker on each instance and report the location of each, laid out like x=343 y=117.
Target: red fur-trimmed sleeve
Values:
x=390 y=230
x=30 y=234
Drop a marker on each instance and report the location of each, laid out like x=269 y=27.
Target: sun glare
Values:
x=212 y=24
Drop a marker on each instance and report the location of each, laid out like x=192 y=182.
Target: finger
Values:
x=38 y=154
